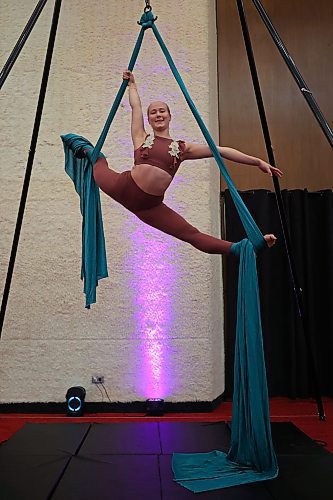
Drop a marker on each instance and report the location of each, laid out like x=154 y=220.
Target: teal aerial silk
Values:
x=251 y=455
x=93 y=262
x=79 y=167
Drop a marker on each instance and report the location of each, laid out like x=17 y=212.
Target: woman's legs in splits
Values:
x=150 y=209
x=105 y=178
x=160 y=217
x=167 y=220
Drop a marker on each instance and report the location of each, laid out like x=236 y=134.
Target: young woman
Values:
x=157 y=158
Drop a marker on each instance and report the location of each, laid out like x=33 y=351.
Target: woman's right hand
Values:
x=128 y=75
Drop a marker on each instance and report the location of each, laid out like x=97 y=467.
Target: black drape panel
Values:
x=310 y=224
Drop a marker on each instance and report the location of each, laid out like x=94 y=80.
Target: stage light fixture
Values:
x=75 y=401
x=155 y=407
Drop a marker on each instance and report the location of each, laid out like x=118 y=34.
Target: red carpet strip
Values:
x=303 y=414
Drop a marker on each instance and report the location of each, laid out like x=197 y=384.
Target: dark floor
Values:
x=132 y=461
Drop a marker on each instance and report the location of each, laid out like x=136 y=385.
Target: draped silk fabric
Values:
x=251 y=456
x=93 y=265
x=80 y=170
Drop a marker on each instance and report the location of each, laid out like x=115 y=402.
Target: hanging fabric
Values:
x=251 y=455
x=93 y=265
x=80 y=170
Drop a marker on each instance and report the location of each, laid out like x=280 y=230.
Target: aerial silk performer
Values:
x=157 y=157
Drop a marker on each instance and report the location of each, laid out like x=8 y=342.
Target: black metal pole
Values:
x=291 y=262
x=21 y=41
x=30 y=161
x=307 y=94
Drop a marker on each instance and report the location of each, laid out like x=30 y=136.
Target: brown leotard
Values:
x=160 y=152
x=148 y=207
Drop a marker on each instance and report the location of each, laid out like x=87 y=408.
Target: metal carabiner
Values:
x=147 y=7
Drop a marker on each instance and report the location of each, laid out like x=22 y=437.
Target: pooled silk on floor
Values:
x=251 y=456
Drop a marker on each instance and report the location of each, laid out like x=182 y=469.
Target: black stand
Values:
x=21 y=41
x=307 y=94
x=31 y=157
x=291 y=263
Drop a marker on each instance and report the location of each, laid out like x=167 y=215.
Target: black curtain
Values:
x=310 y=225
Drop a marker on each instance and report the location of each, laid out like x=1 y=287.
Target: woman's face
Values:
x=159 y=116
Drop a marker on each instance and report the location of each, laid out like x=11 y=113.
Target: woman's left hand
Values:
x=268 y=169
x=270 y=239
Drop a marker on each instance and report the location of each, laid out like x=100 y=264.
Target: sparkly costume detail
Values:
x=174 y=149
x=161 y=152
x=149 y=142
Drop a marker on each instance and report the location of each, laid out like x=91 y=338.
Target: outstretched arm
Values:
x=197 y=151
x=137 y=123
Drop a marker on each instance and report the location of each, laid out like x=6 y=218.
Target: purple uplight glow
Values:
x=152 y=281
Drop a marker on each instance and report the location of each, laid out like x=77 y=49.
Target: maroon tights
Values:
x=151 y=209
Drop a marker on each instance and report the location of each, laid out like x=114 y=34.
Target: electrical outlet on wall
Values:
x=97 y=379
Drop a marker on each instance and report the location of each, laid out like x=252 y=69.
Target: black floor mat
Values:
x=30 y=477
x=116 y=477
x=123 y=438
x=132 y=461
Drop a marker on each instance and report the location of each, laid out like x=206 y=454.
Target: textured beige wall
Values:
x=156 y=330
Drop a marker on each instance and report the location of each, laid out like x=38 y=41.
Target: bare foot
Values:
x=270 y=239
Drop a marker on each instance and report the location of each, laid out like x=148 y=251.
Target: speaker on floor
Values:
x=75 y=401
